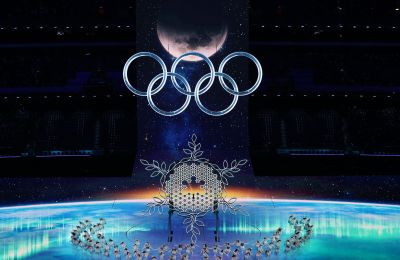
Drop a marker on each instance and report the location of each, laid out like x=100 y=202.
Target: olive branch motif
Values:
x=192 y=218
x=193 y=224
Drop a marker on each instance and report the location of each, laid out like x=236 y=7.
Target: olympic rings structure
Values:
x=154 y=87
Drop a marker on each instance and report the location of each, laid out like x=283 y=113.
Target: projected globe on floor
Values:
x=343 y=229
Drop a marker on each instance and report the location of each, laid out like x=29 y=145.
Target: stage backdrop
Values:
x=171 y=28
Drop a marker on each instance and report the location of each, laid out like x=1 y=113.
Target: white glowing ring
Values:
x=163 y=112
x=210 y=65
x=198 y=90
x=208 y=111
x=144 y=54
x=259 y=77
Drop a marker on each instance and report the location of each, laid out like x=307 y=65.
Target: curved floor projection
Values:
x=341 y=230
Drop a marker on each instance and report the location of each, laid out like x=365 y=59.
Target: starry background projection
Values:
x=163 y=138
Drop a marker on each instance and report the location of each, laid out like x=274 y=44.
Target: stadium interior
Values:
x=329 y=103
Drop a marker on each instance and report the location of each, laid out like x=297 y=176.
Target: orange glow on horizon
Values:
x=237 y=192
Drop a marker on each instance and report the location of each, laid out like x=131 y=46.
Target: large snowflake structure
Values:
x=193 y=187
x=189 y=200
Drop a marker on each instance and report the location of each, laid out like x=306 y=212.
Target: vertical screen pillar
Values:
x=168 y=28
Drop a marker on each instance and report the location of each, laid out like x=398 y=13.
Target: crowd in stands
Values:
x=68 y=65
x=20 y=71
x=343 y=67
x=59 y=13
x=31 y=131
x=25 y=12
x=360 y=129
x=42 y=67
x=284 y=70
x=379 y=69
x=324 y=12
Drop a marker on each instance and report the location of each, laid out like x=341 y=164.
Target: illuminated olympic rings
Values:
x=186 y=89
